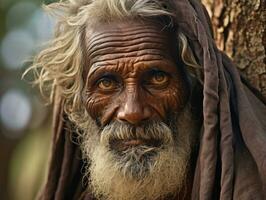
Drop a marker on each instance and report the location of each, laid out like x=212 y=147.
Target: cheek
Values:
x=178 y=96
x=173 y=99
x=96 y=104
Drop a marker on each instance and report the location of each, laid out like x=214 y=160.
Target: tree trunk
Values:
x=240 y=30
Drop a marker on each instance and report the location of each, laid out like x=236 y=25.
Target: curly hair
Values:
x=59 y=65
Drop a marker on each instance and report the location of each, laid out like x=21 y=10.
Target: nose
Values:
x=134 y=111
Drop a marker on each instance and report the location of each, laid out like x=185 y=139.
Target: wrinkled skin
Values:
x=132 y=73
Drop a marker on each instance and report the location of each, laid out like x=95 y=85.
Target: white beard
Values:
x=141 y=172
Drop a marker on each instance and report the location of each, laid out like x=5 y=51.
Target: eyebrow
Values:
x=95 y=67
x=156 y=64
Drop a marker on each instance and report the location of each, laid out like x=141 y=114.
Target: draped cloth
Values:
x=231 y=162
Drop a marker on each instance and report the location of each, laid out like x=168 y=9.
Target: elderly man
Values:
x=146 y=106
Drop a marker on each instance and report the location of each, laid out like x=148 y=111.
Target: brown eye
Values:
x=159 y=78
x=106 y=84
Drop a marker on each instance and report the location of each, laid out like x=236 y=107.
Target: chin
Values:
x=138 y=173
x=138 y=163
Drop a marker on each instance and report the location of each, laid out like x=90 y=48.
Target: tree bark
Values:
x=240 y=30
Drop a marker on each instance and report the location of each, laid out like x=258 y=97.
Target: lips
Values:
x=122 y=145
x=133 y=142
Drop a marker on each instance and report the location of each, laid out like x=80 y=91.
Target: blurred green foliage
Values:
x=23 y=152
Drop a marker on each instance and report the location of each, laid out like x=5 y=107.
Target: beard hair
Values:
x=140 y=172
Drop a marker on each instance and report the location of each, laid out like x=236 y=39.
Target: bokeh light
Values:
x=18 y=15
x=41 y=26
x=24 y=122
x=28 y=27
x=16 y=47
x=15 y=112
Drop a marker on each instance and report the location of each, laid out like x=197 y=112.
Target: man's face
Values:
x=132 y=74
x=136 y=92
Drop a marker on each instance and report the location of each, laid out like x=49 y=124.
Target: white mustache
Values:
x=158 y=131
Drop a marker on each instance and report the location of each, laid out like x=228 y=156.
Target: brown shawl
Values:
x=231 y=163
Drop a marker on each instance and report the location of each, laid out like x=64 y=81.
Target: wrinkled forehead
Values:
x=138 y=40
